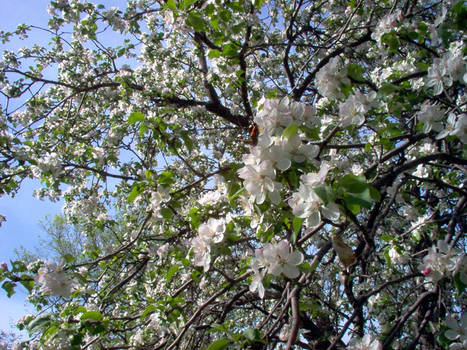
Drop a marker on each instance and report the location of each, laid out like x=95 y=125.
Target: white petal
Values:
x=290 y=271
x=295 y=258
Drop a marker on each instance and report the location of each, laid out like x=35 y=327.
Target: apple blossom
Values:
x=54 y=281
x=456 y=331
x=439 y=261
x=221 y=161
x=278 y=259
x=366 y=343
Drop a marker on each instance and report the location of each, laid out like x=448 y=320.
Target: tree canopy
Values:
x=245 y=174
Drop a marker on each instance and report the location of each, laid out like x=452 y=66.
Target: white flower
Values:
x=439 y=261
x=306 y=204
x=16 y=345
x=352 y=111
x=157 y=198
x=54 y=281
x=386 y=24
x=279 y=260
x=211 y=198
x=460 y=128
x=208 y=233
x=438 y=76
x=163 y=250
x=286 y=149
x=452 y=128
x=430 y=115
x=366 y=343
x=456 y=331
x=202 y=253
x=458 y=346
x=396 y=257
x=213 y=230
x=259 y=181
x=329 y=78
x=275 y=115
x=257 y=283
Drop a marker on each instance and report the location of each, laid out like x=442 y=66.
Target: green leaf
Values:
x=166 y=178
x=77 y=339
x=387 y=238
x=219 y=344
x=166 y=213
x=391 y=40
x=195 y=21
x=50 y=331
x=460 y=14
x=374 y=193
x=355 y=71
x=171 y=273
x=325 y=193
x=363 y=199
x=18 y=266
x=148 y=174
x=252 y=334
x=387 y=89
x=387 y=257
x=460 y=286
x=188 y=3
x=92 y=316
x=149 y=309
x=187 y=140
x=225 y=15
x=290 y=131
x=236 y=6
x=68 y=258
x=171 y=4
x=308 y=305
x=214 y=53
x=296 y=225
x=135 y=192
x=230 y=50
x=29 y=285
x=236 y=194
x=292 y=176
x=136 y=117
x=9 y=287
x=37 y=323
x=353 y=183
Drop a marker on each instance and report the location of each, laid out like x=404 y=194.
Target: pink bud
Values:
x=4 y=266
x=427 y=271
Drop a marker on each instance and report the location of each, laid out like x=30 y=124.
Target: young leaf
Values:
x=290 y=131
x=219 y=344
x=135 y=117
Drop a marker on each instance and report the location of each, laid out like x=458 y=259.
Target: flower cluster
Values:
x=330 y=78
x=278 y=260
x=446 y=70
x=352 y=110
x=279 y=143
x=306 y=203
x=430 y=115
x=455 y=126
x=208 y=233
x=440 y=261
x=457 y=332
x=54 y=281
x=366 y=343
